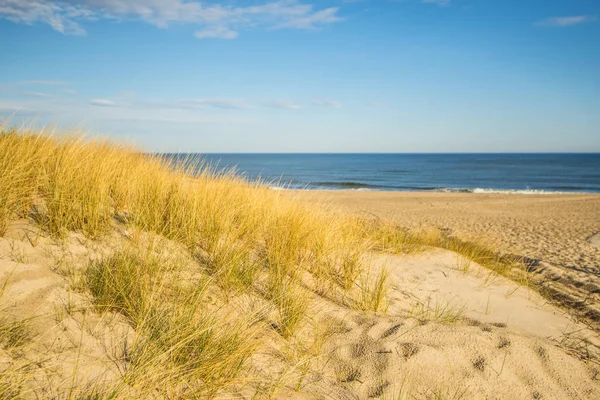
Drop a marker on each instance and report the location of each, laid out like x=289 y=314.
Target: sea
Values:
x=472 y=173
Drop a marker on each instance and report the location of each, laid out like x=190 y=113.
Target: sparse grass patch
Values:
x=186 y=346
x=403 y=392
x=13 y=380
x=441 y=311
x=232 y=264
x=447 y=393
x=576 y=343
x=352 y=266
x=292 y=304
x=373 y=292
x=394 y=239
x=479 y=253
x=181 y=341
x=14 y=333
x=125 y=283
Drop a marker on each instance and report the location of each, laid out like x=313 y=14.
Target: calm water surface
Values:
x=525 y=173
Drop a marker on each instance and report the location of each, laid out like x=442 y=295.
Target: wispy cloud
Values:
x=227 y=103
x=283 y=104
x=327 y=103
x=438 y=2
x=129 y=101
x=71 y=111
x=18 y=89
x=10 y=108
x=40 y=83
x=37 y=94
x=222 y=103
x=563 y=22
x=214 y=20
x=103 y=103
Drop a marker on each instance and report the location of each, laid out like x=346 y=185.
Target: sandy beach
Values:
x=557 y=229
x=559 y=232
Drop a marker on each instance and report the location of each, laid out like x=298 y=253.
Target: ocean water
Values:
x=517 y=173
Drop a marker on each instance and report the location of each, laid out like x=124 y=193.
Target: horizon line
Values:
x=385 y=153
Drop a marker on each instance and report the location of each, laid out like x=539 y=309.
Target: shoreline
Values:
x=528 y=192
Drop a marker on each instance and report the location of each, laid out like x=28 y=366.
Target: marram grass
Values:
x=244 y=238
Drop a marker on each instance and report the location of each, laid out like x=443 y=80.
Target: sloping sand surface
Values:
x=451 y=330
x=450 y=333
x=441 y=278
x=69 y=344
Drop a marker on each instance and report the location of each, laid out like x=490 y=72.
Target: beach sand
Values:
x=449 y=332
x=559 y=233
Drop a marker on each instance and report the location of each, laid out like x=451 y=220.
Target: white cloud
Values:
x=562 y=22
x=438 y=2
x=327 y=103
x=103 y=103
x=215 y=20
x=218 y=32
x=325 y=16
x=70 y=91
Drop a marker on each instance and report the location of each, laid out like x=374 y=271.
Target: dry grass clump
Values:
x=394 y=239
x=19 y=156
x=13 y=380
x=373 y=292
x=183 y=346
x=391 y=238
x=13 y=333
x=442 y=311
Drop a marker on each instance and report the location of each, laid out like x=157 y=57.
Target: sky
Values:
x=308 y=75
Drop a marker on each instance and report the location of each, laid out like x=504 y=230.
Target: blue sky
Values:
x=307 y=75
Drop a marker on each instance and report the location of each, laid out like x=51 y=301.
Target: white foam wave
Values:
x=516 y=191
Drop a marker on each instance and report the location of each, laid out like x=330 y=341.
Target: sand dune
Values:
x=457 y=334
x=439 y=278
x=452 y=330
